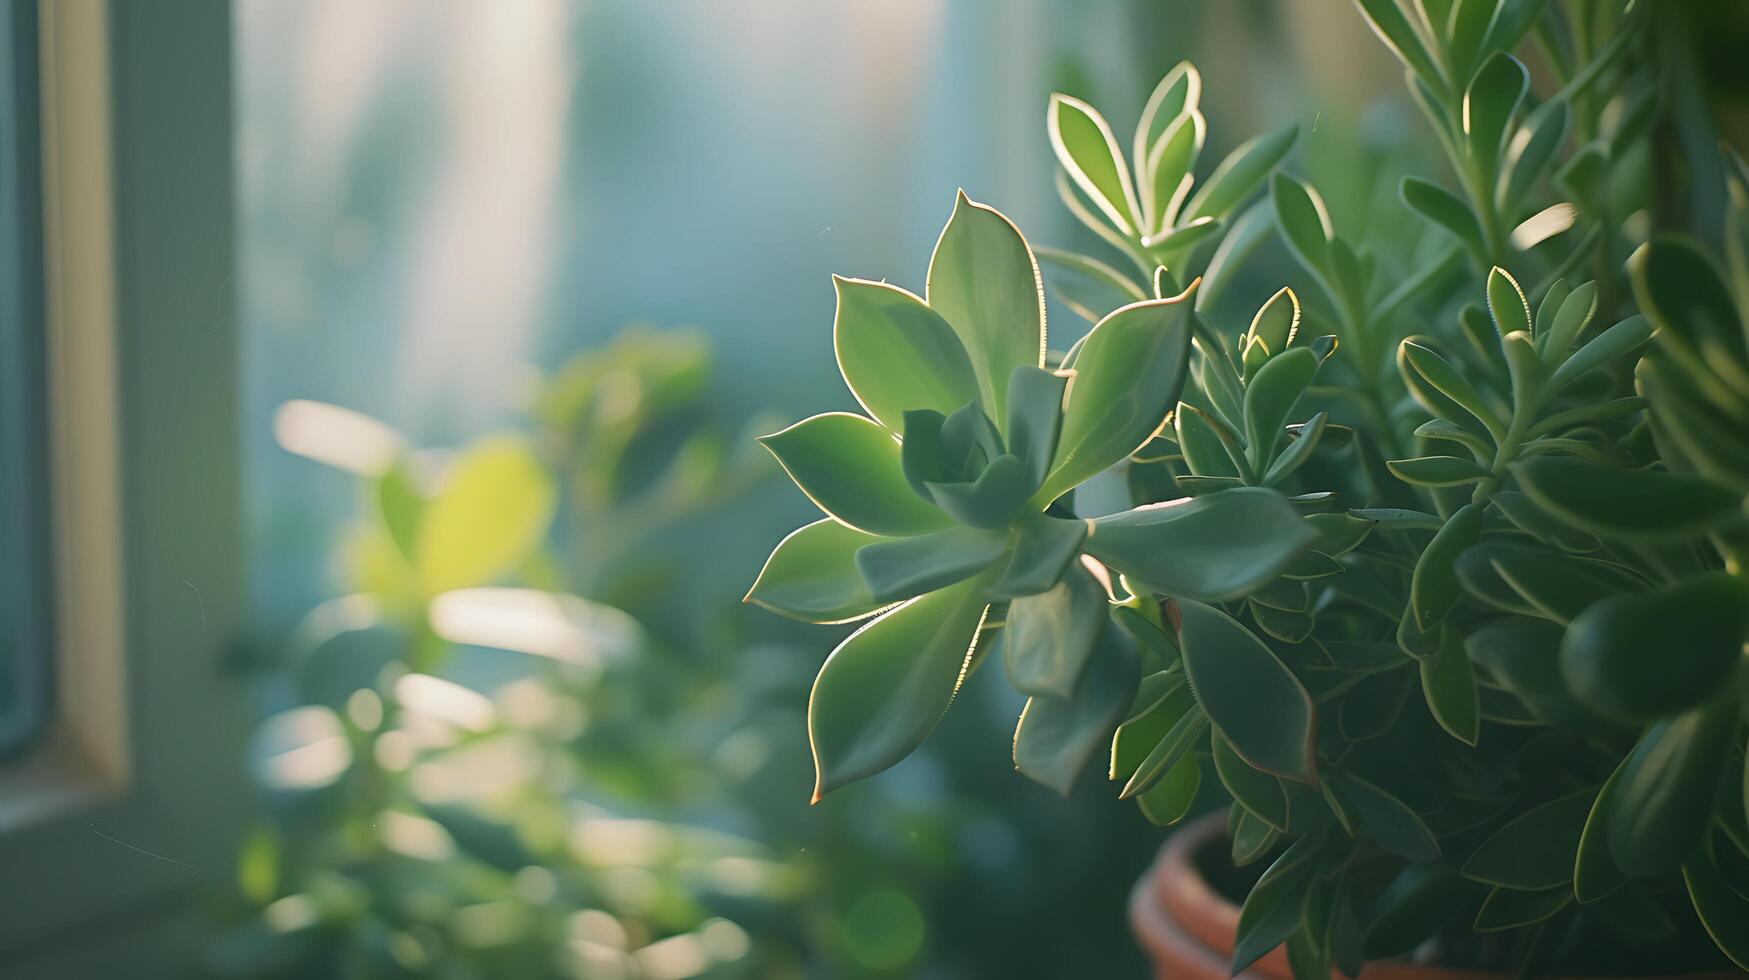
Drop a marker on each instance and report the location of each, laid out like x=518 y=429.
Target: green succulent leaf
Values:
x=1388 y=21
x=1618 y=341
x=984 y=281
x=882 y=691
x=1595 y=873
x=1169 y=800
x=1173 y=747
x=1448 y=682
x=1254 y=701
x=1506 y=303
x=1439 y=373
x=1437 y=471
x=899 y=568
x=1058 y=735
x=1050 y=636
x=1664 y=800
x=1087 y=149
x=993 y=500
x=1209 y=548
x=1128 y=374
x=1270 y=399
x=1446 y=210
x=1035 y=414
x=1722 y=909
x=1621 y=503
x=1523 y=655
x=1649 y=655
x=401 y=504
x=1568 y=321
x=1169 y=166
x=811 y=575
x=1433 y=589
x=1530 y=151
x=1258 y=792
x=897 y=354
x=850 y=468
x=1162 y=702
x=1305 y=222
x=1509 y=908
x=1413 y=907
x=1535 y=850
x=1043 y=548
x=1240 y=173
x=1272 y=910
x=1490 y=105
x=1388 y=820
x=1681 y=290
x=1175 y=97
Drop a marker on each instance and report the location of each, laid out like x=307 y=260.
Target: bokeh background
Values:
x=604 y=231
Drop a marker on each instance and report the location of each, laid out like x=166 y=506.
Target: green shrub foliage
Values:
x=1436 y=565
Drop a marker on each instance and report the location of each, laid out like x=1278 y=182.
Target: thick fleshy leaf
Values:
x=1270 y=399
x=1680 y=289
x=1128 y=374
x=1304 y=220
x=1509 y=908
x=1387 y=20
x=1174 y=746
x=1618 y=341
x=1568 y=321
x=1653 y=654
x=1433 y=589
x=1252 y=837
x=1240 y=173
x=1506 y=303
x=899 y=568
x=1388 y=820
x=1623 y=503
x=1051 y=635
x=1490 y=105
x=1530 y=150
x=1523 y=655
x=1209 y=548
x=1169 y=167
x=1256 y=791
x=1437 y=471
x=1555 y=585
x=1722 y=908
x=1448 y=682
x=1088 y=151
x=886 y=686
x=984 y=281
x=1057 y=736
x=812 y=576
x=849 y=467
x=1595 y=873
x=1535 y=850
x=1169 y=800
x=1035 y=415
x=1664 y=799
x=1162 y=701
x=897 y=354
x=1176 y=96
x=1446 y=210
x=1043 y=548
x=1272 y=910
x=1413 y=907
x=1201 y=443
x=1251 y=697
x=1439 y=373
x=993 y=500
x=492 y=510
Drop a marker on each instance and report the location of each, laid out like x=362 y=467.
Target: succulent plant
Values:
x=1439 y=572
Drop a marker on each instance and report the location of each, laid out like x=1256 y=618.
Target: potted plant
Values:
x=1439 y=574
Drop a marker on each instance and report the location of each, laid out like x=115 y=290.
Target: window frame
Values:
x=132 y=800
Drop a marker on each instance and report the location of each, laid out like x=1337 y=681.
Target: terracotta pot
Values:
x=1186 y=928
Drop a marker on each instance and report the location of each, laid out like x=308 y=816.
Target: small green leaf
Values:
x=1388 y=820
x=1169 y=166
x=1129 y=373
x=1209 y=548
x=1057 y=736
x=1437 y=471
x=1568 y=321
x=1449 y=684
x=1304 y=220
x=493 y=508
x=1722 y=908
x=1252 y=837
x=1595 y=874
x=401 y=504
x=1681 y=290
x=1507 y=908
x=1256 y=791
x=1433 y=590
x=1446 y=210
x=1270 y=399
x=1618 y=341
x=1439 y=373
x=897 y=354
x=1051 y=635
x=1387 y=20
x=899 y=568
x=1523 y=655
x=1240 y=173
x=1169 y=800
x=993 y=500
x=1530 y=150
x=1654 y=654
x=1254 y=701
x=984 y=281
x=1088 y=151
x=1272 y=910
x=1035 y=413
x=1175 y=745
x=1490 y=105
x=1299 y=451
x=850 y=468
x=1664 y=799
x=812 y=576
x=1506 y=303
x=886 y=686
x=1199 y=438
x=1278 y=320
x=1175 y=97
x=1536 y=850
x=1161 y=702
x=1623 y=503
x=1043 y=548
x=1412 y=909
